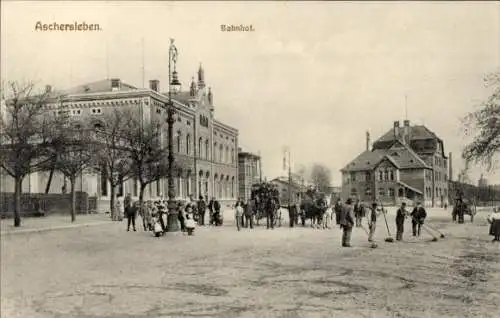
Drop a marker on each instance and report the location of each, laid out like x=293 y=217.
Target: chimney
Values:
x=450 y=167
x=406 y=132
x=115 y=84
x=367 y=141
x=48 y=88
x=396 y=129
x=154 y=85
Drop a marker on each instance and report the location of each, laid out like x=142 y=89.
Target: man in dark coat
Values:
x=338 y=211
x=131 y=214
x=201 y=208
x=248 y=212
x=400 y=221
x=216 y=215
x=418 y=216
x=211 y=210
x=347 y=221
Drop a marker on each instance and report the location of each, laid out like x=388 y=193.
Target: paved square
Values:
x=104 y=271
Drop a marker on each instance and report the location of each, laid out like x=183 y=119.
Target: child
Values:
x=190 y=224
x=157 y=228
x=494 y=220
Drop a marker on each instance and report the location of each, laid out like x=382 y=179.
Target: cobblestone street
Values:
x=104 y=271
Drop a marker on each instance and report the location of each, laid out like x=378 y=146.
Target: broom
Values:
x=373 y=245
x=441 y=235
x=388 y=239
x=434 y=238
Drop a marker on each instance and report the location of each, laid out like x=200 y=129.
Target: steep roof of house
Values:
x=417 y=132
x=402 y=156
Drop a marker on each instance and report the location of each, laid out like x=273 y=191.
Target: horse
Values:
x=311 y=211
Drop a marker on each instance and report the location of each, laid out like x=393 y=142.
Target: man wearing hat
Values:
x=372 y=220
x=418 y=216
x=400 y=221
x=347 y=221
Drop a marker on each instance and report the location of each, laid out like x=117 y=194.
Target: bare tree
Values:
x=113 y=153
x=148 y=156
x=321 y=177
x=24 y=135
x=484 y=124
x=75 y=153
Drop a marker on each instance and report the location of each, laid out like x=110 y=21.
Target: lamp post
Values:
x=173 y=87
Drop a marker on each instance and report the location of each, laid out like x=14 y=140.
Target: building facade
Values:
x=249 y=173
x=205 y=148
x=406 y=164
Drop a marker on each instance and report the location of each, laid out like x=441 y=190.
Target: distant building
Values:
x=406 y=163
x=205 y=148
x=249 y=172
x=483 y=182
x=288 y=191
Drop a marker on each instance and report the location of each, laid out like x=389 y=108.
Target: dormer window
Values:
x=86 y=89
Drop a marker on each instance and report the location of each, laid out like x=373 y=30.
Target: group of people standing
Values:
x=154 y=213
x=350 y=215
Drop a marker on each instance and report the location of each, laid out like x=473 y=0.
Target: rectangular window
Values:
x=368 y=176
x=391 y=192
x=353 y=176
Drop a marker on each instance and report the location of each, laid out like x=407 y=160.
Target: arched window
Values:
x=381 y=175
x=221 y=153
x=200 y=145
x=227 y=154
x=232 y=187
x=188 y=144
x=386 y=175
x=215 y=152
x=207 y=149
x=232 y=155
x=392 y=175
x=179 y=141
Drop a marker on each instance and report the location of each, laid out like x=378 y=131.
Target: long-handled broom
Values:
x=373 y=245
x=441 y=235
x=388 y=239
x=434 y=238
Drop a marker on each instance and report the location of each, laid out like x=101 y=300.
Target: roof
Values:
x=366 y=160
x=410 y=187
x=417 y=132
x=402 y=156
x=102 y=86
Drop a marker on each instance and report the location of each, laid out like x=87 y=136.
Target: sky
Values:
x=313 y=76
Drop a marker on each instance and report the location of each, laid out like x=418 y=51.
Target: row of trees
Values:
x=33 y=139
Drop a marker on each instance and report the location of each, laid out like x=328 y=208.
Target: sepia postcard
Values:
x=250 y=159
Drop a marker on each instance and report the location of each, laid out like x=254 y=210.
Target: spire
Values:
x=192 y=89
x=210 y=96
x=201 y=77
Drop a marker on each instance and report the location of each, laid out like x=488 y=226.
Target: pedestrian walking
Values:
x=190 y=224
x=358 y=213
x=131 y=215
x=181 y=217
x=238 y=214
x=347 y=222
x=202 y=207
x=372 y=220
x=418 y=216
x=216 y=215
x=400 y=221
x=249 y=212
x=494 y=221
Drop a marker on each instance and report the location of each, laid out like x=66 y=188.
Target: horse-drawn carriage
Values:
x=313 y=206
x=266 y=196
x=468 y=206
